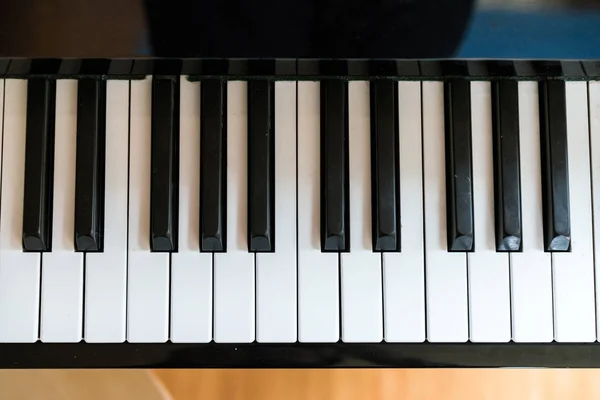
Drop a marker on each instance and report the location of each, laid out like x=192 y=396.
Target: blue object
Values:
x=559 y=34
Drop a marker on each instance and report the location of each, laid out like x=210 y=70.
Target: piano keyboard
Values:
x=238 y=211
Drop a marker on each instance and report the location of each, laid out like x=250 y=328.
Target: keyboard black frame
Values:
x=298 y=355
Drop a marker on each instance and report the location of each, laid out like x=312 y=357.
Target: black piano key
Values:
x=385 y=171
x=507 y=181
x=89 y=175
x=261 y=179
x=164 y=199
x=555 y=170
x=459 y=165
x=4 y=63
x=335 y=203
x=213 y=166
x=39 y=163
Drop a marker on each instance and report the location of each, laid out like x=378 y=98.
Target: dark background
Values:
x=71 y=27
x=120 y=28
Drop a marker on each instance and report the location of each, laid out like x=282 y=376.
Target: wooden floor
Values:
x=381 y=384
x=510 y=384
x=80 y=385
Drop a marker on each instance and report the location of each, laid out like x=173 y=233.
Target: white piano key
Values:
x=19 y=271
x=489 y=286
x=1 y=121
x=530 y=270
x=276 y=307
x=1 y=118
x=574 y=301
x=318 y=273
x=106 y=272
x=62 y=271
x=191 y=270
x=594 y=102
x=1 y=112
x=148 y=272
x=446 y=272
x=234 y=270
x=360 y=269
x=404 y=272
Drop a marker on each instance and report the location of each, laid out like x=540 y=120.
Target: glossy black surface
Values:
x=507 y=167
x=335 y=202
x=385 y=184
x=555 y=166
x=514 y=29
x=164 y=181
x=213 y=166
x=297 y=355
x=90 y=162
x=459 y=166
x=39 y=165
x=307 y=28
x=261 y=167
